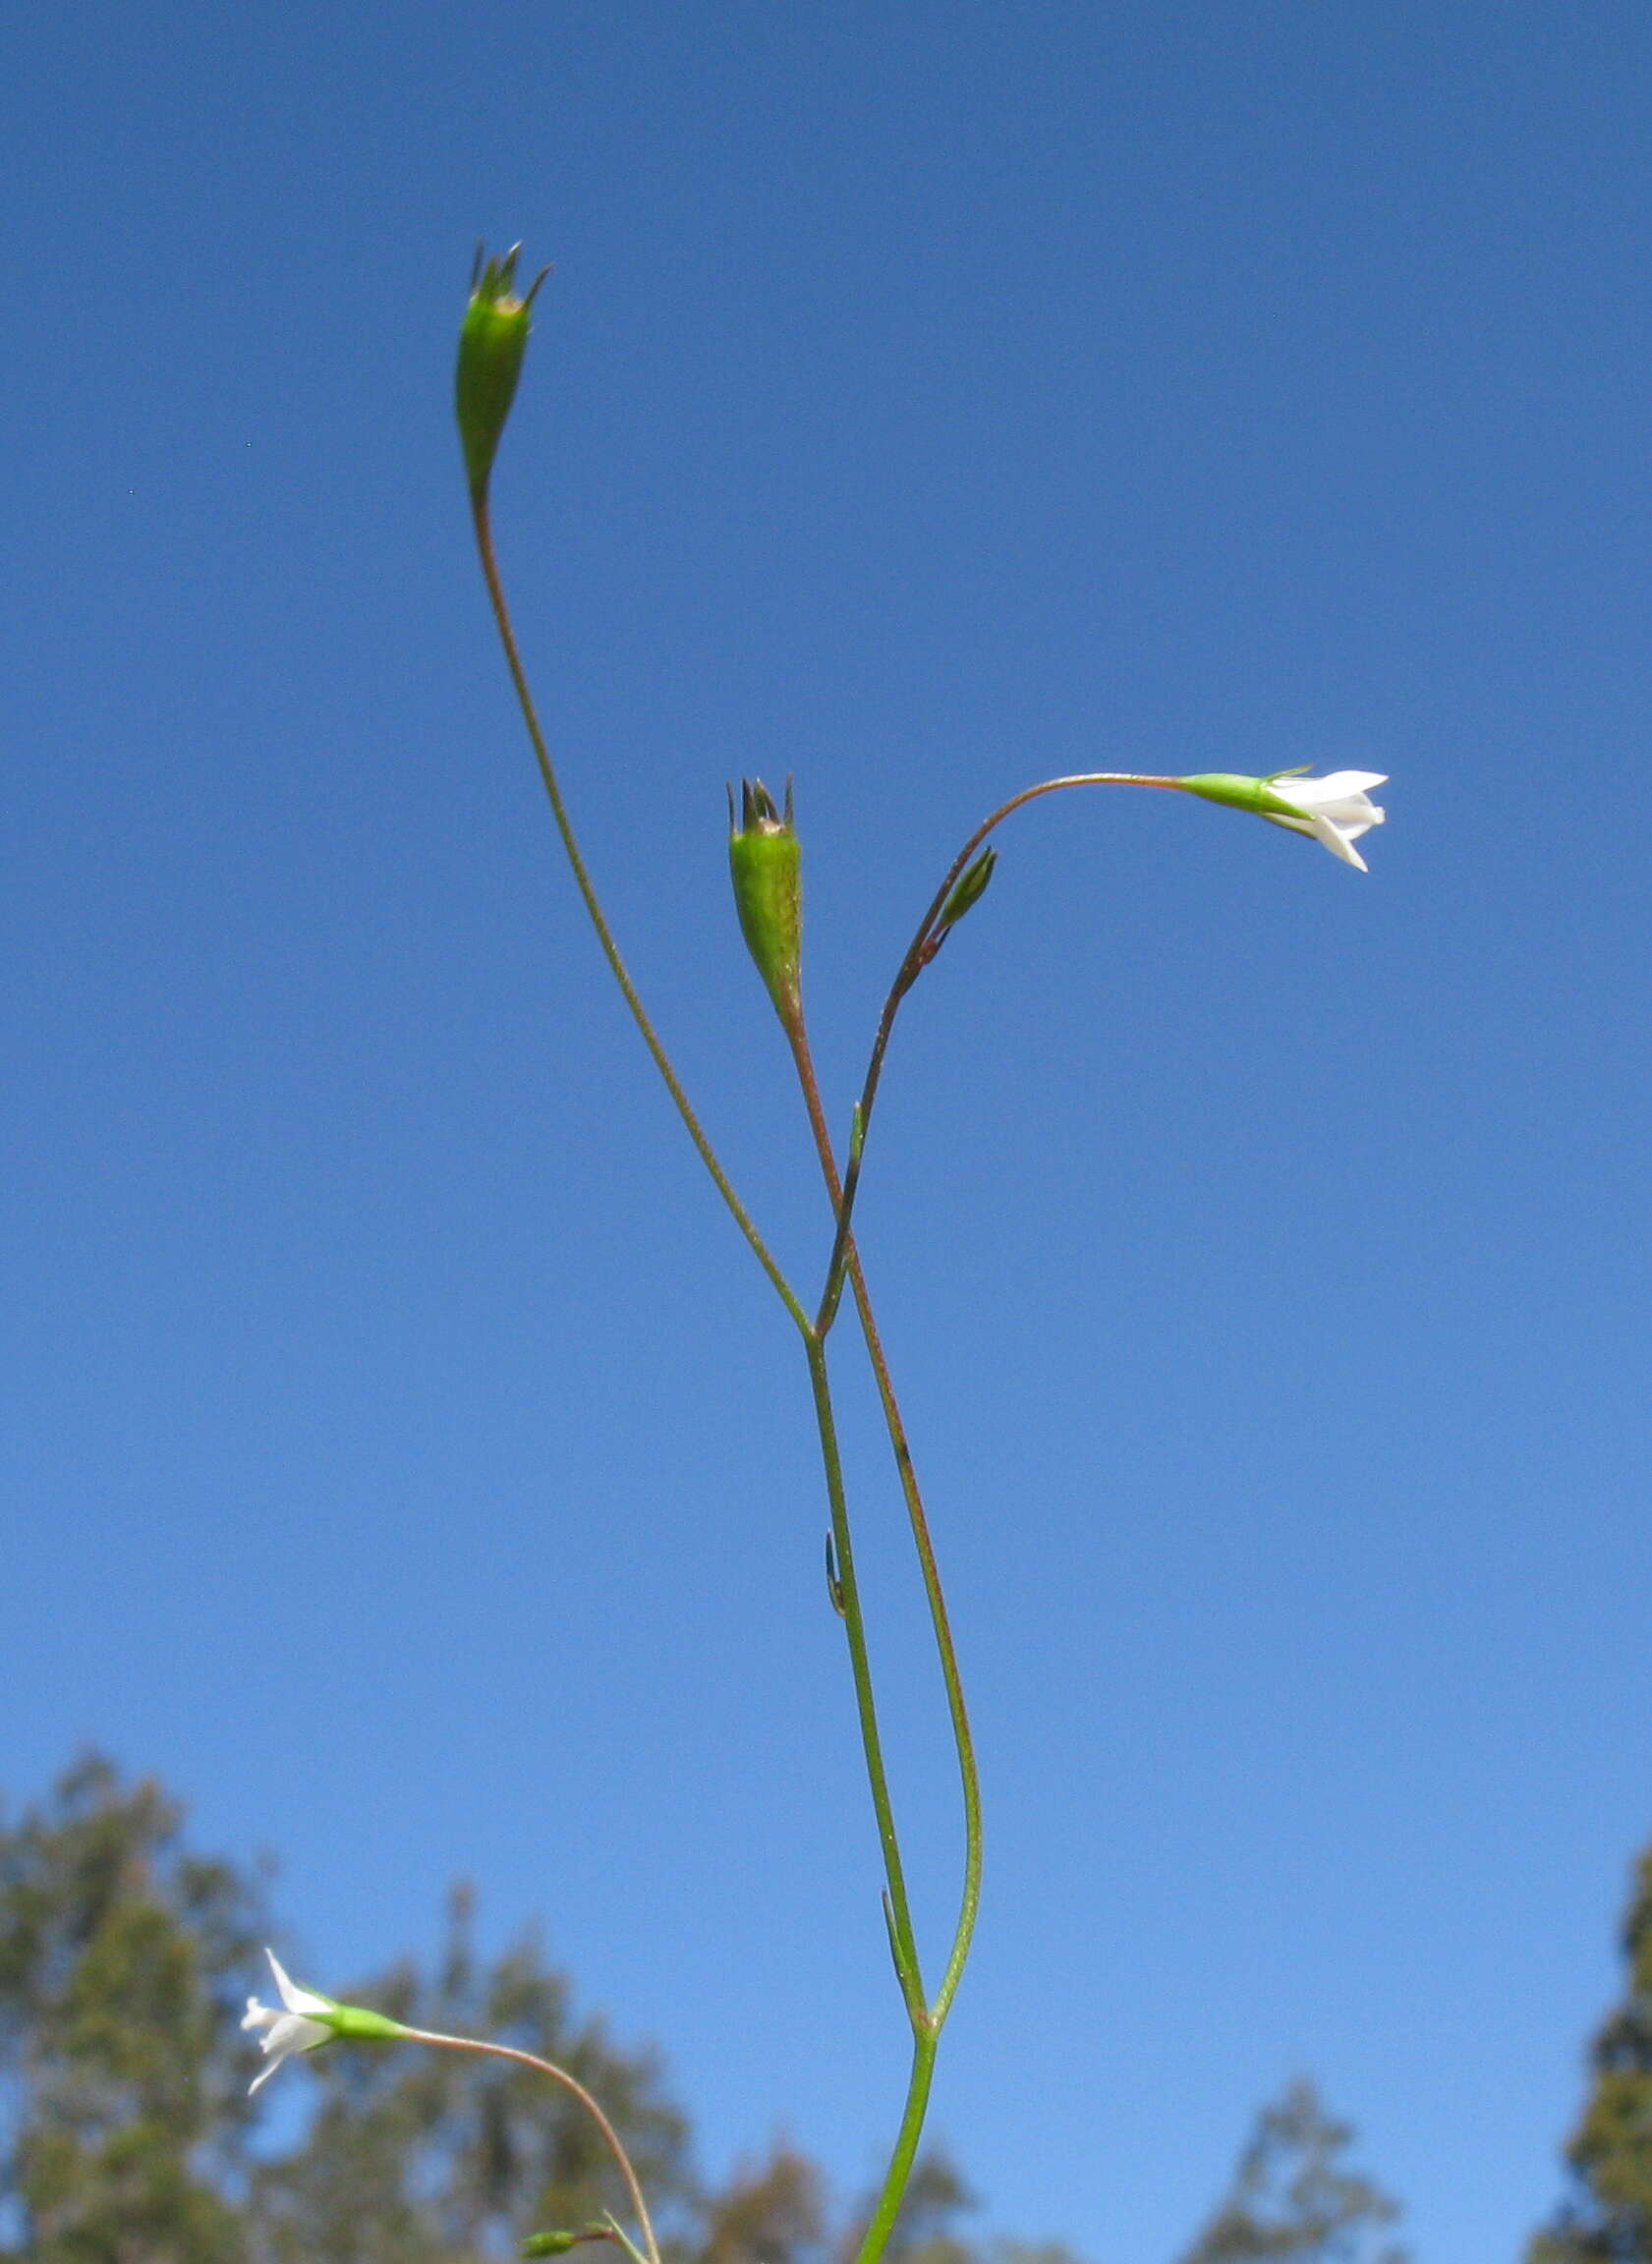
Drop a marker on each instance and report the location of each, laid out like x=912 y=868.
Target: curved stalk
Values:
x=483 y=521
x=919 y=952
x=569 y=2083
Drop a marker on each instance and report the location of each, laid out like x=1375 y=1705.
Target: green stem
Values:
x=605 y=935
x=969 y=1778
x=845 y=1263
x=927 y=2016
x=894 y=2190
x=902 y=1937
x=968 y=1775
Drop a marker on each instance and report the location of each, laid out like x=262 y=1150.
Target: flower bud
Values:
x=968 y=891
x=766 y=862
x=493 y=339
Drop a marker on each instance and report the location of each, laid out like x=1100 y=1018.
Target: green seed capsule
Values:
x=765 y=864
x=493 y=339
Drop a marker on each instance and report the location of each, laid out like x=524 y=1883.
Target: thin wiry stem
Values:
x=926 y=2014
x=845 y=1263
x=919 y=952
x=846 y=1596
x=928 y=1567
x=605 y=935
x=571 y=2084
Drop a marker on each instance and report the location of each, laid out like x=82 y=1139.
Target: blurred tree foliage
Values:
x=123 y=2077
x=1292 y=2197
x=1607 y=2218
x=125 y=1964
x=125 y=2125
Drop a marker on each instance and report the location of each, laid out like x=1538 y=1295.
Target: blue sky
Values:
x=406 y=1460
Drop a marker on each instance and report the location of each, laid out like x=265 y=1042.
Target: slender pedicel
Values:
x=492 y=341
x=571 y=2084
x=937 y=918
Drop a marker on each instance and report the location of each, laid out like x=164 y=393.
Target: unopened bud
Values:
x=765 y=864
x=493 y=339
x=970 y=887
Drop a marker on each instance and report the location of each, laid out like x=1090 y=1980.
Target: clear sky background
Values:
x=403 y=1455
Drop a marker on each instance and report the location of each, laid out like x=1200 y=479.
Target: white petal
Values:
x=1362 y=821
x=290 y=2032
x=295 y=1999
x=1336 y=809
x=1346 y=781
x=257 y=2016
x=1302 y=793
x=294 y=2033
x=1337 y=842
x=1338 y=796
x=265 y=2072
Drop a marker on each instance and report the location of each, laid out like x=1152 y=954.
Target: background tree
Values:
x=123 y=1962
x=1293 y=2199
x=1607 y=2218
x=775 y=2213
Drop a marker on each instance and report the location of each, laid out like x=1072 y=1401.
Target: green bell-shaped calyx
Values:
x=766 y=864
x=1238 y=792
x=493 y=339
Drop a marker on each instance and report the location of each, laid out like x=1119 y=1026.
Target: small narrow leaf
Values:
x=834 y=1586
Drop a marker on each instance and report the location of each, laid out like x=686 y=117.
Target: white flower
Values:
x=305 y=2023
x=1336 y=811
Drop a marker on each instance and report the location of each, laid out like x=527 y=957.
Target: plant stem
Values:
x=569 y=2083
x=894 y=2190
x=930 y=1569
x=927 y=2015
x=483 y=520
x=902 y=1938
